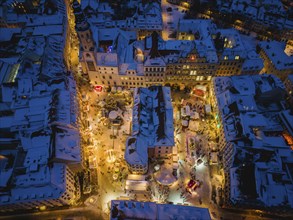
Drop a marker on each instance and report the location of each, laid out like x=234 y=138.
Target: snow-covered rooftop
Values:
x=269 y=12
x=107 y=59
x=45 y=183
x=152 y=211
x=275 y=51
x=67 y=146
x=145 y=15
x=203 y=26
x=152 y=123
x=249 y=107
x=7 y=33
x=38 y=108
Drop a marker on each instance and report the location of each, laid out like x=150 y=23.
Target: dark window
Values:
x=91 y=66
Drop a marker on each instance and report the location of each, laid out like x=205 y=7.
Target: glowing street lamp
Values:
x=110 y=156
x=42 y=208
x=185 y=4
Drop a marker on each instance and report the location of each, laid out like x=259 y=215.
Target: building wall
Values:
x=270 y=68
x=108 y=75
x=131 y=79
x=289 y=88
x=70 y=194
x=186 y=72
x=163 y=151
x=98 y=74
x=229 y=67
x=85 y=39
x=154 y=75
x=137 y=169
x=190 y=71
x=250 y=72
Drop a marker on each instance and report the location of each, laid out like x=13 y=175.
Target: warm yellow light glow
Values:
x=185 y=4
x=110 y=156
x=43 y=208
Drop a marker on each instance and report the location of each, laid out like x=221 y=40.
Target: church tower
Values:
x=83 y=29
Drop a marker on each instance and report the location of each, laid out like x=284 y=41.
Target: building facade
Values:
x=289 y=88
x=194 y=58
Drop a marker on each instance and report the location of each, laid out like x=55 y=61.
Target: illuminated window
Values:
x=225 y=57
x=237 y=57
x=192 y=72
